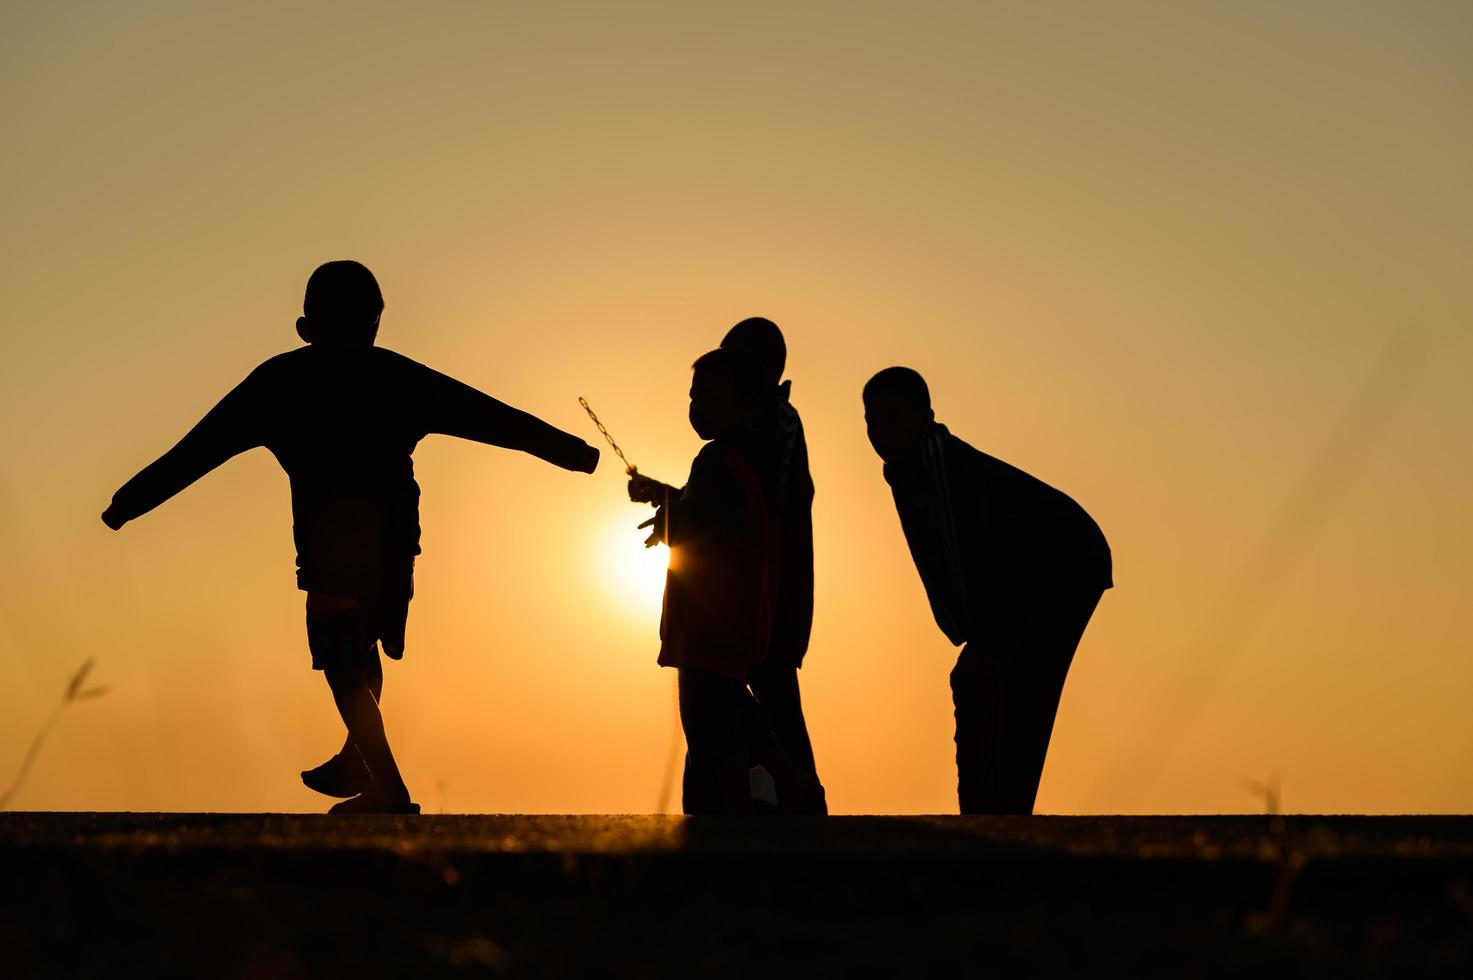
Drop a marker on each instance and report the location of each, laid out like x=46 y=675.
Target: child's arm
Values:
x=457 y=409
x=224 y=432
x=711 y=502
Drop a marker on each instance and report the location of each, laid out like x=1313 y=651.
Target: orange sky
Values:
x=1150 y=254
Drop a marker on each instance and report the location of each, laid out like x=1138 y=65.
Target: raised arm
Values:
x=227 y=430
x=456 y=409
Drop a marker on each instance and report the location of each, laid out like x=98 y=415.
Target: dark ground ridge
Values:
x=247 y=895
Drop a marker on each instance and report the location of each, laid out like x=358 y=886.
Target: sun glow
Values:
x=636 y=574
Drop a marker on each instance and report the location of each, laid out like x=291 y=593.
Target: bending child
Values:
x=1013 y=568
x=342 y=417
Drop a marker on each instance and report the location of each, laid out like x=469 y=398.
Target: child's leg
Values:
x=698 y=789
x=775 y=685
x=360 y=713
x=386 y=618
x=340 y=635
x=734 y=783
x=710 y=715
x=374 y=670
x=795 y=789
x=1051 y=638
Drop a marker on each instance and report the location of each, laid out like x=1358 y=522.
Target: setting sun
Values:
x=636 y=574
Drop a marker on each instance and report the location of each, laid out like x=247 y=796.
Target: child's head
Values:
x=726 y=393
x=342 y=305
x=761 y=338
x=897 y=412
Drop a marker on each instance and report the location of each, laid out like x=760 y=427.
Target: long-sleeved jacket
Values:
x=342 y=421
x=724 y=554
x=780 y=451
x=987 y=537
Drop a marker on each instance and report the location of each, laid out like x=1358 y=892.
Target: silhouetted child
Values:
x=342 y=416
x=1013 y=569
x=774 y=681
x=720 y=591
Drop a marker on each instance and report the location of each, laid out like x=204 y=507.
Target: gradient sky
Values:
x=1157 y=254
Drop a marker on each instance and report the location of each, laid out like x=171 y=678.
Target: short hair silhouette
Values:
x=741 y=368
x=762 y=338
x=901 y=384
x=343 y=295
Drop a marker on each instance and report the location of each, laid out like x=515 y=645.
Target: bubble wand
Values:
x=628 y=466
x=658 y=493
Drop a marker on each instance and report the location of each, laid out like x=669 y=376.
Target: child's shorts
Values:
x=342 y=630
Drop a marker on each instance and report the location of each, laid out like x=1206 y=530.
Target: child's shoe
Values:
x=373 y=802
x=341 y=776
x=764 y=790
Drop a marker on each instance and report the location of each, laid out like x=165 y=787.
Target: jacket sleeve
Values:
x=453 y=408
x=228 y=429
x=711 y=501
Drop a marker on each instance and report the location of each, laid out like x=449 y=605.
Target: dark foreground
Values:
x=104 y=895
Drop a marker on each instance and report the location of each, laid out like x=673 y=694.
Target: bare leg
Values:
x=360 y=713
x=374 y=670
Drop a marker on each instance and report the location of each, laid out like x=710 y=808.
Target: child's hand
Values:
x=656 y=525
x=643 y=490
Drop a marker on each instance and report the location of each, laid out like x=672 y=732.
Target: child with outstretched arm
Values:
x=342 y=417
x=722 y=584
